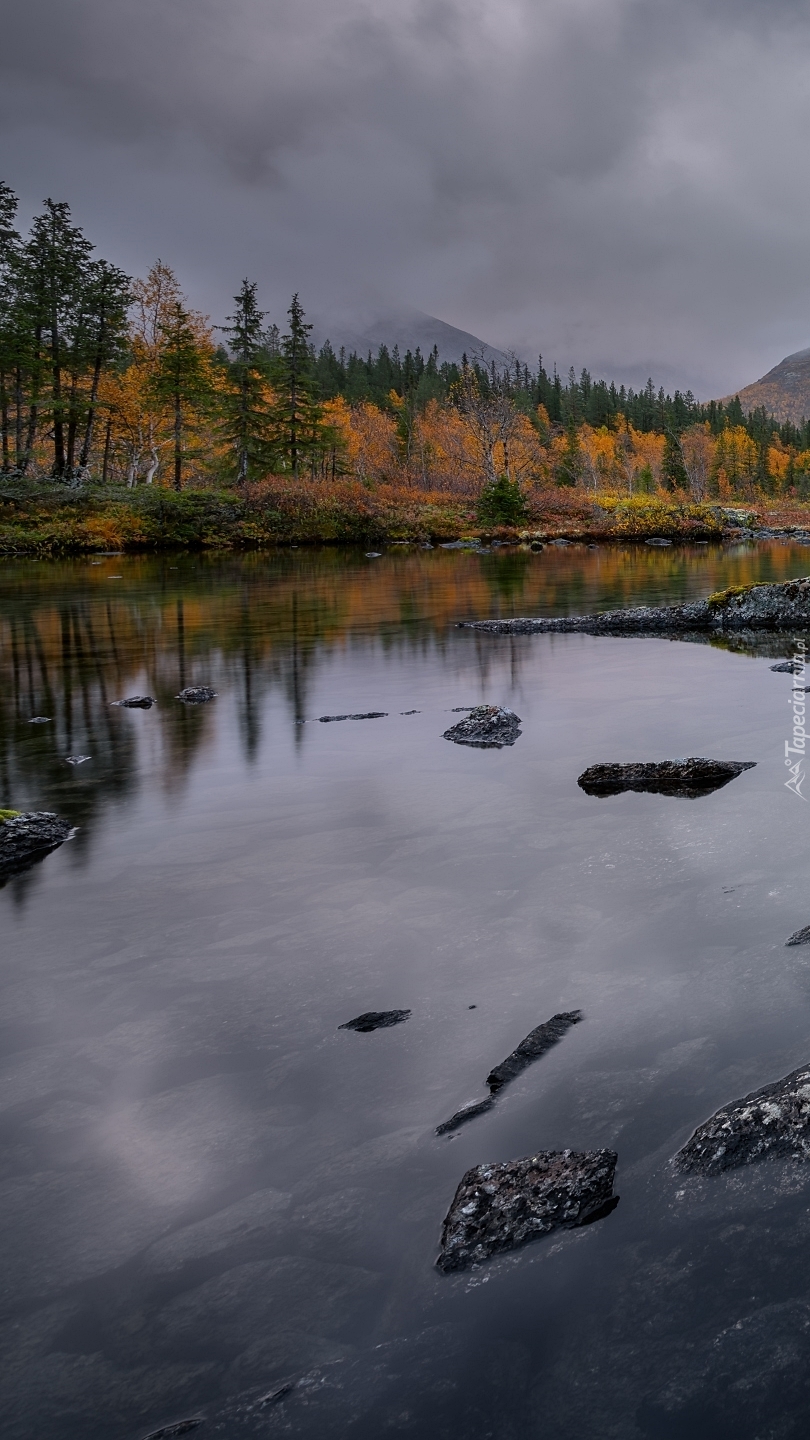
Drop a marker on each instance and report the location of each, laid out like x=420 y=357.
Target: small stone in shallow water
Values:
x=77 y=759
x=789 y=667
x=373 y=555
x=180 y=1427
x=487 y=727
x=800 y=937
x=135 y=702
x=772 y=1121
x=40 y=720
x=466 y=1112
x=500 y=1206
x=375 y=1020
x=196 y=694
x=657 y=540
x=685 y=779
x=410 y=712
x=368 y=715
x=536 y=1043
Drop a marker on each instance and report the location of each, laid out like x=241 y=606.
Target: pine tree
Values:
x=673 y=470
x=245 y=415
x=296 y=419
x=54 y=274
x=181 y=377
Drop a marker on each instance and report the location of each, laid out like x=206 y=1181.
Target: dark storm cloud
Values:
x=619 y=182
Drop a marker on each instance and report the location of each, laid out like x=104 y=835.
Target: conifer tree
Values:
x=673 y=470
x=296 y=419
x=9 y=255
x=245 y=417
x=181 y=377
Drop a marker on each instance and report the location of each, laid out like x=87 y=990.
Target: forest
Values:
x=112 y=381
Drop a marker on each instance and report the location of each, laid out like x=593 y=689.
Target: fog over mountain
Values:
x=616 y=183
x=407 y=328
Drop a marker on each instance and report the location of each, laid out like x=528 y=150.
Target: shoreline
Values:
x=41 y=519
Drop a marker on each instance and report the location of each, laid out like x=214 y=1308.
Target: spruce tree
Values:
x=9 y=255
x=296 y=419
x=245 y=417
x=673 y=470
x=181 y=378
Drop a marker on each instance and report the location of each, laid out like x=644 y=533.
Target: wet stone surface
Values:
x=135 y=702
x=466 y=1112
x=196 y=694
x=686 y=779
x=375 y=1020
x=500 y=1206
x=29 y=837
x=773 y=1121
x=536 y=1043
x=488 y=726
x=800 y=937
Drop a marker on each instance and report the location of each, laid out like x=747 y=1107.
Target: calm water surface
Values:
x=208 y=1189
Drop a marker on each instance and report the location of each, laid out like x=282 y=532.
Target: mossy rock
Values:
x=8 y=815
x=722 y=597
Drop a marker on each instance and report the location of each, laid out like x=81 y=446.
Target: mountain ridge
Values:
x=784 y=391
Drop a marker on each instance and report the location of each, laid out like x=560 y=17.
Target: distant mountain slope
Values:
x=407 y=329
x=784 y=391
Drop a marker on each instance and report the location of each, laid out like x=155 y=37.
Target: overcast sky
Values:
x=620 y=183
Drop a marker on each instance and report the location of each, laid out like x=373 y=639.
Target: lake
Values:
x=211 y=1192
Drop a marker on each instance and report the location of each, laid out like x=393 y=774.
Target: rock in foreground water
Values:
x=686 y=779
x=136 y=702
x=800 y=937
x=537 y=1042
x=742 y=607
x=375 y=1020
x=500 y=1206
x=27 y=837
x=467 y=1112
x=196 y=694
x=488 y=726
x=772 y=1121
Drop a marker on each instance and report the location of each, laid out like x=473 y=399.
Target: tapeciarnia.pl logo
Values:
x=798 y=748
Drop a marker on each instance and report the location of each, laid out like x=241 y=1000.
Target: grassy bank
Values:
x=46 y=519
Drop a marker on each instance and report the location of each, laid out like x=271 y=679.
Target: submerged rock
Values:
x=467 y=1112
x=686 y=779
x=375 y=1020
x=77 y=759
x=772 y=1121
x=782 y=606
x=180 y=1427
x=367 y=715
x=789 y=667
x=800 y=937
x=488 y=726
x=537 y=1042
x=196 y=694
x=657 y=540
x=500 y=1206
x=28 y=837
x=136 y=702
x=40 y=720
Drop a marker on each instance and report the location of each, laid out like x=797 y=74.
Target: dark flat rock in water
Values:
x=27 y=837
x=789 y=667
x=800 y=937
x=782 y=606
x=467 y=1112
x=772 y=1121
x=135 y=702
x=196 y=695
x=180 y=1427
x=375 y=1020
x=686 y=779
x=500 y=1206
x=537 y=1042
x=487 y=726
x=367 y=715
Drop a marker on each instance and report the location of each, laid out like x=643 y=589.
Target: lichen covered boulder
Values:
x=487 y=726
x=783 y=606
x=500 y=1206
x=773 y=1121
x=27 y=837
